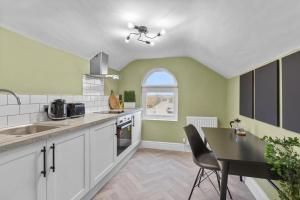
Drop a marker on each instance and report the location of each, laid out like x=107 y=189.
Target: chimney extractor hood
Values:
x=99 y=67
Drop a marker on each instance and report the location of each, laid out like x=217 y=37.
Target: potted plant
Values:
x=129 y=99
x=283 y=155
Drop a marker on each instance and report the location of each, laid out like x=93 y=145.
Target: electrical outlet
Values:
x=184 y=140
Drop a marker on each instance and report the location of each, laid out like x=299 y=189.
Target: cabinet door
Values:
x=136 y=127
x=102 y=141
x=20 y=172
x=69 y=178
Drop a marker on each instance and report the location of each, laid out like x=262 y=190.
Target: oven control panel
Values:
x=124 y=119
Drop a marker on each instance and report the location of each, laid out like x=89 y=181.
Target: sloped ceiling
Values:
x=231 y=36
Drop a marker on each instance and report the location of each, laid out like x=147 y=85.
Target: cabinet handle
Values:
x=133 y=121
x=44 y=161
x=53 y=157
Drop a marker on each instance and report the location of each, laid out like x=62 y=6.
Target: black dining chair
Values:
x=204 y=158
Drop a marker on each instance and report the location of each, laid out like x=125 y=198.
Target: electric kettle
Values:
x=235 y=124
x=57 y=110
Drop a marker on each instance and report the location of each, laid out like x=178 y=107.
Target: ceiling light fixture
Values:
x=142 y=34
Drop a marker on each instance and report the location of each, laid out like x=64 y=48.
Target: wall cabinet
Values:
x=103 y=151
x=68 y=166
x=136 y=127
x=20 y=172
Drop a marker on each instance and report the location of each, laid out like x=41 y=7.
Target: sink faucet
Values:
x=12 y=93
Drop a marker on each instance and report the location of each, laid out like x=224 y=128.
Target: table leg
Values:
x=225 y=170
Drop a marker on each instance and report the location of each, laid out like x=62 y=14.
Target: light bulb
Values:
x=163 y=32
x=130 y=25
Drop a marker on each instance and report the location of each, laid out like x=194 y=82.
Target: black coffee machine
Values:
x=57 y=110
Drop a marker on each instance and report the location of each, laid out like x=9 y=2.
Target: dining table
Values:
x=238 y=155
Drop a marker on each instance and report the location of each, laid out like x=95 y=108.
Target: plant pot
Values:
x=129 y=105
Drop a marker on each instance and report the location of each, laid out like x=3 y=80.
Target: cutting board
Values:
x=113 y=101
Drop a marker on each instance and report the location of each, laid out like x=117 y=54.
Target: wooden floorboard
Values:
x=164 y=175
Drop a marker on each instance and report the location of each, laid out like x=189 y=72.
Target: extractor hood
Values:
x=99 y=67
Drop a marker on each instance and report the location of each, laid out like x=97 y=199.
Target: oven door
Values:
x=123 y=136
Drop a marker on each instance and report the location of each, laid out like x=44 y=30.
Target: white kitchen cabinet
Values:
x=20 y=172
x=69 y=180
x=102 y=151
x=136 y=127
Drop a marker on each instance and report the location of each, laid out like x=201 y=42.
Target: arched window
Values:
x=160 y=95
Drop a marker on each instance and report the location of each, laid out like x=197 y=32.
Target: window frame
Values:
x=159 y=88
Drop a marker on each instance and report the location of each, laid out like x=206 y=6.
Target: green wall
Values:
x=30 y=67
x=256 y=127
x=27 y=66
x=201 y=92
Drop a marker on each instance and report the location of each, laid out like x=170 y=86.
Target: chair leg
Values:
x=212 y=183
x=219 y=178
x=195 y=183
x=201 y=175
x=241 y=179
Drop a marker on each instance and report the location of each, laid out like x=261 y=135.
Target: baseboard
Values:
x=165 y=146
x=254 y=188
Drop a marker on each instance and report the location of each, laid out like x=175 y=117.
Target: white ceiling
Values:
x=229 y=36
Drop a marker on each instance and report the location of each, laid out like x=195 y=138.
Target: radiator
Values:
x=200 y=122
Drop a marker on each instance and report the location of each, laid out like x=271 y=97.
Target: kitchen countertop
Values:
x=8 y=142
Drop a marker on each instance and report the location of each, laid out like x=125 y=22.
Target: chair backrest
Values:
x=197 y=145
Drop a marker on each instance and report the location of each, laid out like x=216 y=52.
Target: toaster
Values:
x=75 y=110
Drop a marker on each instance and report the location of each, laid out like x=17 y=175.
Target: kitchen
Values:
x=96 y=98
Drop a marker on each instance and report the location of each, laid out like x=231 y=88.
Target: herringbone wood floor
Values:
x=164 y=175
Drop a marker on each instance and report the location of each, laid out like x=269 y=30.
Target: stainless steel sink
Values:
x=27 y=129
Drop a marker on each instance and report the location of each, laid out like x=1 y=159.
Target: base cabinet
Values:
x=20 y=172
x=102 y=149
x=68 y=166
x=63 y=167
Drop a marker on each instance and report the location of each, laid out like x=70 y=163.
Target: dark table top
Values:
x=227 y=146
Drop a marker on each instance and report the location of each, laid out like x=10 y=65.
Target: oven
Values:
x=124 y=136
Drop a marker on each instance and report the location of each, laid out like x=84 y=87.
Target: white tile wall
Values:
x=3 y=121
x=16 y=120
x=38 y=99
x=3 y=99
x=38 y=117
x=31 y=109
x=25 y=99
x=92 y=86
x=9 y=110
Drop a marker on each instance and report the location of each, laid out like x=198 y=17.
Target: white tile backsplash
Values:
x=25 y=99
x=38 y=117
x=9 y=110
x=92 y=86
x=31 y=109
x=16 y=120
x=38 y=99
x=3 y=100
x=53 y=97
x=3 y=122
